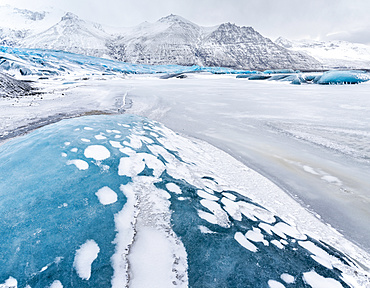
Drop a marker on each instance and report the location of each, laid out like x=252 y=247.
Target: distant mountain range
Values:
x=332 y=54
x=170 y=40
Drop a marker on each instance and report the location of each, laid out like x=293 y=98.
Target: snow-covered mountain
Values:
x=175 y=40
x=170 y=40
x=332 y=54
x=16 y=24
x=71 y=34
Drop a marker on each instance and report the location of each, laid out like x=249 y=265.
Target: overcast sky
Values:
x=292 y=19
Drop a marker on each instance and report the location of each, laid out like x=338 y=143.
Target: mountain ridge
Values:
x=170 y=40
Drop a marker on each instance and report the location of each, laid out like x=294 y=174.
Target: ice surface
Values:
x=343 y=77
x=106 y=196
x=84 y=258
x=54 y=213
x=51 y=63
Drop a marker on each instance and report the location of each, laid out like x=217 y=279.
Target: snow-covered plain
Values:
x=109 y=183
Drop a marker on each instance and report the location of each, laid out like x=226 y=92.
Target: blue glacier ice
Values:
x=280 y=71
x=61 y=192
x=51 y=62
x=343 y=77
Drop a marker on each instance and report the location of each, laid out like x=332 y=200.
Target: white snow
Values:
x=287 y=278
x=125 y=221
x=255 y=235
x=97 y=152
x=288 y=230
x=56 y=284
x=157 y=258
x=206 y=195
x=275 y=284
x=74 y=150
x=320 y=255
x=127 y=151
x=100 y=137
x=220 y=214
x=131 y=166
x=85 y=140
x=310 y=170
x=151 y=260
x=277 y=244
x=115 y=144
x=231 y=208
x=10 y=283
x=106 y=196
x=331 y=179
x=229 y=195
x=239 y=237
x=317 y=281
x=80 y=164
x=84 y=258
x=205 y=230
x=211 y=218
x=172 y=187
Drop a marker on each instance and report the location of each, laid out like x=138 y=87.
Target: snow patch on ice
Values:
x=221 y=216
x=287 y=278
x=277 y=244
x=331 y=179
x=239 y=237
x=317 y=281
x=205 y=230
x=255 y=235
x=97 y=152
x=206 y=195
x=172 y=187
x=84 y=258
x=275 y=284
x=10 y=283
x=320 y=255
x=100 y=137
x=106 y=196
x=80 y=164
x=115 y=144
x=56 y=284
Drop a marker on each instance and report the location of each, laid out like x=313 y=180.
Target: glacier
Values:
x=172 y=194
x=51 y=63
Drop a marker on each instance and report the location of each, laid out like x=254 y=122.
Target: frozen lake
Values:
x=134 y=175
x=311 y=140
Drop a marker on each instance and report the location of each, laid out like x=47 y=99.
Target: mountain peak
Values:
x=172 y=18
x=70 y=16
x=284 y=42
